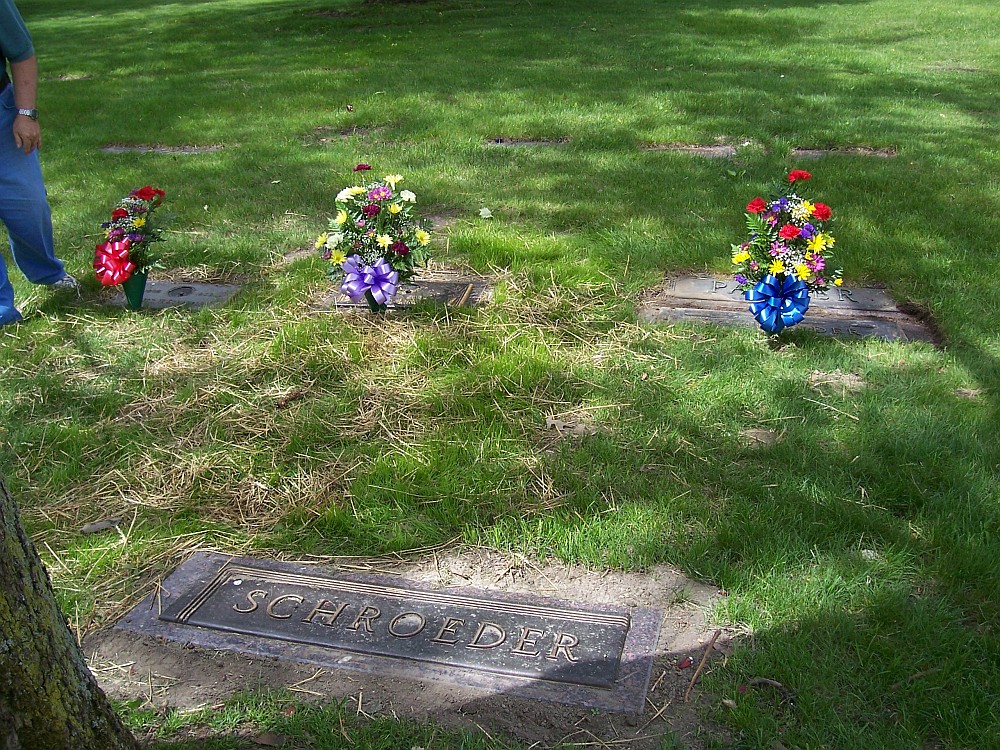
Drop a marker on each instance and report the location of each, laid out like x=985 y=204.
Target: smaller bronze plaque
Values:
x=162 y=294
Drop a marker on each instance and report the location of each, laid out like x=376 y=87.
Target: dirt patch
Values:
x=69 y=77
x=927 y=320
x=758 y=437
x=165 y=674
x=527 y=142
x=324 y=134
x=443 y=220
x=837 y=382
x=717 y=151
x=816 y=153
x=156 y=148
x=954 y=69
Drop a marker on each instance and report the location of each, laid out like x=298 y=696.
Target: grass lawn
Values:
x=860 y=551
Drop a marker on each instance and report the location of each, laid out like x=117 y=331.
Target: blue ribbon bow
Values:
x=778 y=303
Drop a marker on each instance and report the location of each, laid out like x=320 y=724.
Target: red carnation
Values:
x=119 y=213
x=400 y=248
x=144 y=193
x=757 y=205
x=159 y=192
x=371 y=210
x=789 y=232
x=798 y=174
x=362 y=167
x=822 y=211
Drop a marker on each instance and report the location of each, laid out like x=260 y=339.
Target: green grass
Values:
x=861 y=549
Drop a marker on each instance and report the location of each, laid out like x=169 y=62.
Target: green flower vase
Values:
x=376 y=307
x=134 y=287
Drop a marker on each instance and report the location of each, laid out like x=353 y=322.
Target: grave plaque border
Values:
x=198 y=579
x=163 y=294
x=855 y=312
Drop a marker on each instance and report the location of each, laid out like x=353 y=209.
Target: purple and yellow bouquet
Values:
x=375 y=242
x=785 y=257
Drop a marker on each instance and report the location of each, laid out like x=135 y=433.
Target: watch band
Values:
x=32 y=113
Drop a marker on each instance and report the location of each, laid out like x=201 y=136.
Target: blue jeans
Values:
x=24 y=210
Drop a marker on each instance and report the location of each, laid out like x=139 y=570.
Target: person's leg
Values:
x=24 y=206
x=8 y=313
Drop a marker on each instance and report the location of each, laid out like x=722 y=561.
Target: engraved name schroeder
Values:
x=447 y=631
x=843 y=295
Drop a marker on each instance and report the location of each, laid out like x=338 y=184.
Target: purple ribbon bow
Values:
x=379 y=279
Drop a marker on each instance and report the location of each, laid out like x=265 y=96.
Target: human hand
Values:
x=27 y=134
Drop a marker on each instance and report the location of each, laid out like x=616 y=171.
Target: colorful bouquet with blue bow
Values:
x=375 y=242
x=785 y=257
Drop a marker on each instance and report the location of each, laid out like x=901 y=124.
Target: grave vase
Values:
x=135 y=287
x=373 y=304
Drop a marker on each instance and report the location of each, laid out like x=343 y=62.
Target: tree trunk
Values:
x=48 y=698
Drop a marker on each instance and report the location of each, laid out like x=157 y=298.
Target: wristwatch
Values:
x=32 y=113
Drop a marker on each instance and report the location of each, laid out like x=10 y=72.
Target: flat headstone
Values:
x=443 y=287
x=526 y=142
x=118 y=148
x=859 y=312
x=716 y=151
x=160 y=295
x=718 y=292
x=593 y=655
x=817 y=153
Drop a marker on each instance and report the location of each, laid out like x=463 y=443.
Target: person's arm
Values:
x=24 y=75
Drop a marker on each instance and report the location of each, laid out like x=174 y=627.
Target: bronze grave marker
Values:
x=859 y=312
x=596 y=655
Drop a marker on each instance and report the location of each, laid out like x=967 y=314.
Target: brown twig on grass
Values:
x=913 y=677
x=701 y=664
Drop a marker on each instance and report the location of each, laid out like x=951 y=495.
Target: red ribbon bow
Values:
x=111 y=262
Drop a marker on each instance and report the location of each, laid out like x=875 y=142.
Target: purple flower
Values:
x=740 y=278
x=808 y=231
x=380 y=193
x=371 y=210
x=361 y=222
x=754 y=265
x=362 y=168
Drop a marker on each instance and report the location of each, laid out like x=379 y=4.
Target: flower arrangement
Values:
x=375 y=242
x=128 y=236
x=785 y=257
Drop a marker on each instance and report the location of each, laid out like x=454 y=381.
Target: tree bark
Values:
x=49 y=700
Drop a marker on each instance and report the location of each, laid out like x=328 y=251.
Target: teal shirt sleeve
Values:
x=15 y=41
